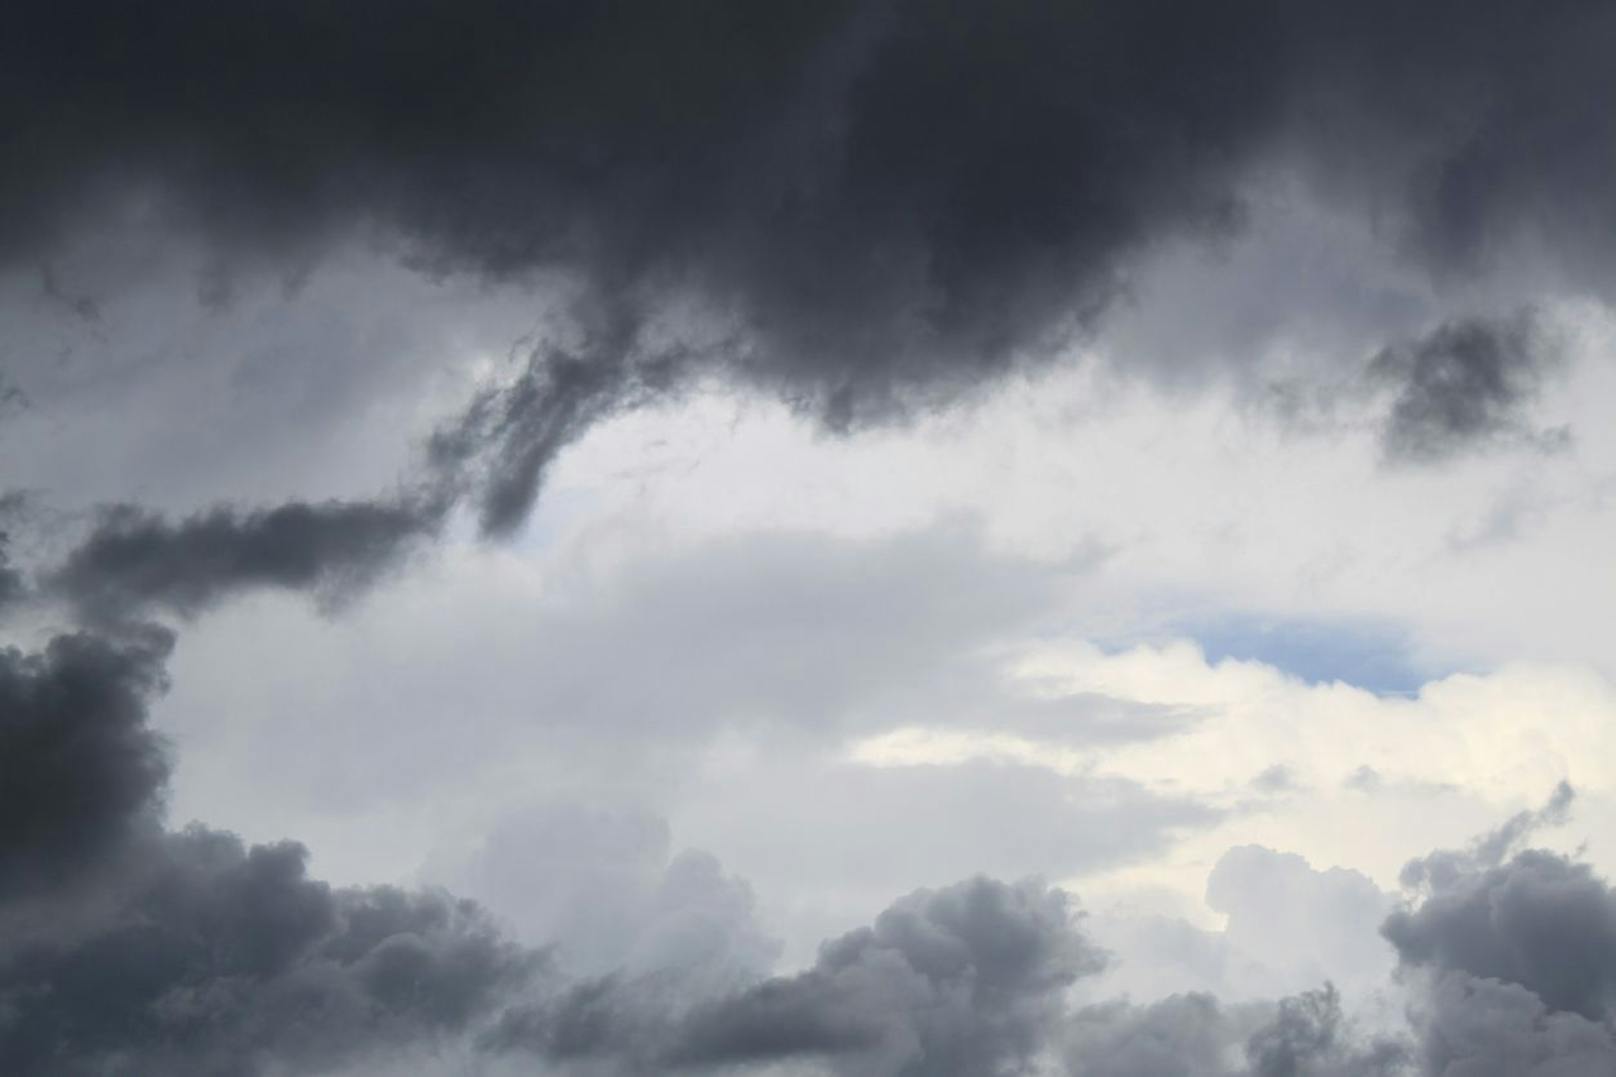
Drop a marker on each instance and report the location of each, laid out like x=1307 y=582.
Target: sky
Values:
x=879 y=538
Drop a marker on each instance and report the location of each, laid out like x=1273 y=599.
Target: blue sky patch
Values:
x=1371 y=655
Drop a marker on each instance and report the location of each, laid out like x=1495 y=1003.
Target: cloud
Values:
x=215 y=958
x=1194 y=1035
x=1485 y=1028
x=80 y=771
x=963 y=980
x=1445 y=867
x=1297 y=923
x=126 y=946
x=134 y=563
x=498 y=449
x=1186 y=1035
x=1515 y=959
x=864 y=208
x=605 y=890
x=11 y=581
x=123 y=945
x=1465 y=384
x=1540 y=920
x=966 y=980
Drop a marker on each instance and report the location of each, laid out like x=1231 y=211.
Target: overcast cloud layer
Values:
x=861 y=538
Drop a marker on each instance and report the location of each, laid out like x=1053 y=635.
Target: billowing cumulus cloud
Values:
x=1489 y=1028
x=80 y=771
x=219 y=959
x=1515 y=958
x=123 y=946
x=964 y=980
x=1539 y=920
x=605 y=890
x=188 y=952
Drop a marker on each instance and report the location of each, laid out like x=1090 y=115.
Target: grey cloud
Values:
x=1472 y=1027
x=869 y=186
x=134 y=563
x=605 y=888
x=124 y=947
x=499 y=448
x=1306 y=1038
x=1463 y=384
x=804 y=638
x=1288 y=927
x=1539 y=920
x=11 y=580
x=1514 y=960
x=1509 y=965
x=969 y=979
x=1179 y=1036
x=581 y=874
x=80 y=771
x=1306 y=924
x=194 y=954
x=218 y=959
x=319 y=387
x=197 y=955
x=1277 y=779
x=860 y=833
x=963 y=980
x=1195 y=1035
x=777 y=649
x=1444 y=868
x=862 y=207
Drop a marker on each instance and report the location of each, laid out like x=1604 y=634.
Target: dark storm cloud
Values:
x=863 y=207
x=134 y=562
x=1540 y=920
x=219 y=959
x=1537 y=919
x=80 y=771
x=1464 y=384
x=502 y=444
x=1514 y=960
x=963 y=980
x=11 y=581
x=124 y=948
x=13 y=504
x=880 y=191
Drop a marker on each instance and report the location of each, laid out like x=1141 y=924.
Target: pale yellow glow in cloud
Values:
x=1368 y=781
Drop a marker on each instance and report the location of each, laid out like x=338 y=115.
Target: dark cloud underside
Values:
x=80 y=772
x=188 y=953
x=1464 y=384
x=862 y=207
x=134 y=562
